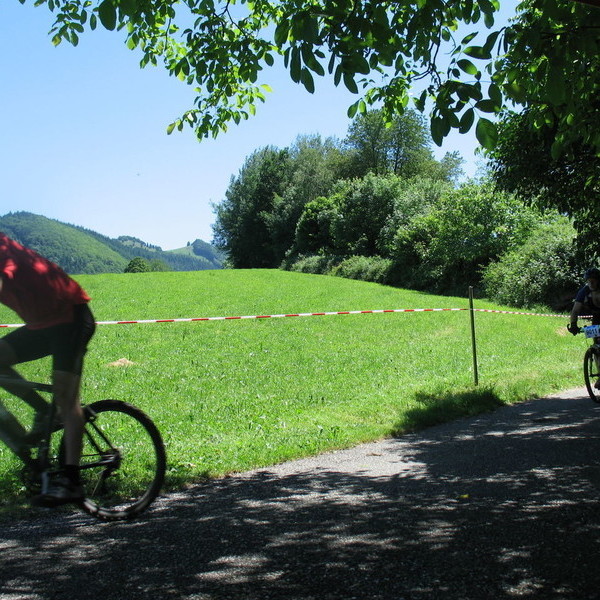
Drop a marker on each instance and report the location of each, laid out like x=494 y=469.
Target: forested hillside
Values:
x=79 y=250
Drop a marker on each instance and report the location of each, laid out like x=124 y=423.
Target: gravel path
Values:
x=499 y=506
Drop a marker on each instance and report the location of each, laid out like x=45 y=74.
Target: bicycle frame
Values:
x=42 y=463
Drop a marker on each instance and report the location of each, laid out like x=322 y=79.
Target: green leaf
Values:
x=353 y=109
x=380 y=16
x=295 y=65
x=477 y=52
x=281 y=32
x=107 y=14
x=466 y=121
x=337 y=76
x=467 y=66
x=307 y=81
x=437 y=128
x=469 y=37
x=491 y=41
x=488 y=106
x=310 y=29
x=127 y=7
x=467 y=10
x=350 y=83
x=486 y=133
x=515 y=91
x=486 y=6
x=420 y=101
x=495 y=94
x=356 y=63
x=310 y=60
x=331 y=63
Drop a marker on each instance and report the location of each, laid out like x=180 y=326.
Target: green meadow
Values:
x=238 y=394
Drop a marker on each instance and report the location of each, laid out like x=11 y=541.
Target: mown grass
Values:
x=233 y=395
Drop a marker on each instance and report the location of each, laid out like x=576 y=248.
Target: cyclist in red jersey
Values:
x=58 y=323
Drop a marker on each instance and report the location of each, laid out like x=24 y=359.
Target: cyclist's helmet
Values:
x=593 y=274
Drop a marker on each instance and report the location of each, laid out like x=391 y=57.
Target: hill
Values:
x=78 y=250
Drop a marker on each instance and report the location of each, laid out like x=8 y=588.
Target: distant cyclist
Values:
x=587 y=301
x=58 y=323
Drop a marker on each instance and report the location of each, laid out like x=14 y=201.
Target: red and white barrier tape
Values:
x=236 y=318
x=313 y=314
x=512 y=312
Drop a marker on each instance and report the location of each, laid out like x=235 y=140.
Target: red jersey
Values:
x=39 y=291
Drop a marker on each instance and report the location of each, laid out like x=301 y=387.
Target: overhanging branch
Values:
x=595 y=3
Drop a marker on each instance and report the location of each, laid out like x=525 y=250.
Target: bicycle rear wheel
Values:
x=591 y=372
x=123 y=461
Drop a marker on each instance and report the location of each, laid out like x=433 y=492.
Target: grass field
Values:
x=232 y=395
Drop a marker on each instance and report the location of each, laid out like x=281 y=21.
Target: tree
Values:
x=242 y=219
x=314 y=166
x=137 y=265
x=522 y=163
x=552 y=67
x=378 y=49
x=364 y=207
x=400 y=147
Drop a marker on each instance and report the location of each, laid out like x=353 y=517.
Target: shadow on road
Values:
x=498 y=506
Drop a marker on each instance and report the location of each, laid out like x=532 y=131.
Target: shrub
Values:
x=541 y=271
x=444 y=249
x=320 y=264
x=365 y=268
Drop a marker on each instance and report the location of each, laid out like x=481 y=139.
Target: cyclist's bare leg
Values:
x=7 y=359
x=66 y=393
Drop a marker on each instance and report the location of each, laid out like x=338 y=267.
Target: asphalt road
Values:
x=500 y=506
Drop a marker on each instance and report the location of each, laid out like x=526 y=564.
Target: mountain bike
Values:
x=123 y=459
x=591 y=362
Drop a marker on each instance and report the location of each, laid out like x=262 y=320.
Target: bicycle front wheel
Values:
x=591 y=372
x=123 y=461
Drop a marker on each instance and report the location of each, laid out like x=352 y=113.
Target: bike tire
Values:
x=591 y=373
x=123 y=461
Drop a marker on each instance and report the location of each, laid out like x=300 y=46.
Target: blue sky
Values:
x=83 y=134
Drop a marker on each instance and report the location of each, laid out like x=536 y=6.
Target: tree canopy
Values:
x=256 y=223
x=522 y=163
x=378 y=49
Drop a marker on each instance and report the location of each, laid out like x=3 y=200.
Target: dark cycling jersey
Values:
x=584 y=295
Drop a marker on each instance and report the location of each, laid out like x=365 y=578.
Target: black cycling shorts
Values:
x=66 y=343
